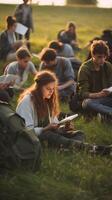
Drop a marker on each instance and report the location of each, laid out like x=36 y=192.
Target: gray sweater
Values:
x=26 y=110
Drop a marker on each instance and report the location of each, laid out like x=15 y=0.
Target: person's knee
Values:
x=86 y=103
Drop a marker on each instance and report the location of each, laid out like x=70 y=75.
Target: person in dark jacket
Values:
x=8 y=41
x=94 y=77
x=23 y=14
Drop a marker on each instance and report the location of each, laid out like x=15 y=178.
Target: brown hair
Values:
x=54 y=44
x=43 y=78
x=71 y=24
x=99 y=47
x=22 y=53
x=10 y=21
x=48 y=54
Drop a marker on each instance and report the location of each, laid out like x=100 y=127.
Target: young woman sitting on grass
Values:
x=39 y=106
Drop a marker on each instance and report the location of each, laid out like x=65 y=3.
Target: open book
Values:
x=67 y=119
x=108 y=89
x=7 y=79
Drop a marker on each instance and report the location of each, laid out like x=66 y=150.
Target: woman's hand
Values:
x=52 y=126
x=69 y=126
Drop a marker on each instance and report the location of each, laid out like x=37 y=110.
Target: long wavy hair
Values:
x=41 y=105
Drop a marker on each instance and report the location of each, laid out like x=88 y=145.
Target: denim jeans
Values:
x=101 y=105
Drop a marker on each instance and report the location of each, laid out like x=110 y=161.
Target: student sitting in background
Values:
x=94 y=76
x=22 y=67
x=65 y=50
x=69 y=36
x=39 y=106
x=62 y=68
x=8 y=42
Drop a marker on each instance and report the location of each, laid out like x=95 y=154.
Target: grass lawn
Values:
x=64 y=175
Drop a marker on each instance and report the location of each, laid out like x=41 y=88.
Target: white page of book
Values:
x=21 y=29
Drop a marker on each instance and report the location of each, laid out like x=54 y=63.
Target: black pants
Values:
x=58 y=139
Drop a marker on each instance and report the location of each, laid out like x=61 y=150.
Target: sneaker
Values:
x=102 y=150
x=99 y=117
x=107 y=118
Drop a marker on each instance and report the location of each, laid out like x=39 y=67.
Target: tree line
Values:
x=91 y=2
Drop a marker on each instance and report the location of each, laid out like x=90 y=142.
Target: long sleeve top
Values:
x=5 y=45
x=23 y=14
x=26 y=110
x=90 y=80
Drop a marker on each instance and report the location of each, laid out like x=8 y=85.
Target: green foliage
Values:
x=64 y=175
x=84 y=2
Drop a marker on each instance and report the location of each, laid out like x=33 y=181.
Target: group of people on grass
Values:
x=55 y=81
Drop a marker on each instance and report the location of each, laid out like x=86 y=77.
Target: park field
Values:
x=64 y=175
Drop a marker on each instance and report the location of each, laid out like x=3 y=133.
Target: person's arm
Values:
x=68 y=74
x=41 y=66
x=109 y=73
x=67 y=84
x=25 y=109
x=32 y=68
x=18 y=13
x=68 y=51
x=31 y=20
x=84 y=84
x=103 y=93
x=95 y=95
x=10 y=69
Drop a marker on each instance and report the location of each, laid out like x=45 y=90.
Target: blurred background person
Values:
x=22 y=67
x=69 y=36
x=65 y=50
x=8 y=41
x=23 y=14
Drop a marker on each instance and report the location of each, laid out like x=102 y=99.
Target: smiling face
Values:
x=48 y=90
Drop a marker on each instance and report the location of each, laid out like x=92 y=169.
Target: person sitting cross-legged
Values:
x=94 y=76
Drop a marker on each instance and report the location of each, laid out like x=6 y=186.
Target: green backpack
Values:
x=19 y=147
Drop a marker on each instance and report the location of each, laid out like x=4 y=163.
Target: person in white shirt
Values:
x=22 y=67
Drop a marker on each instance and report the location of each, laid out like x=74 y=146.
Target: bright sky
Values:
x=102 y=3
x=40 y=2
x=105 y=3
